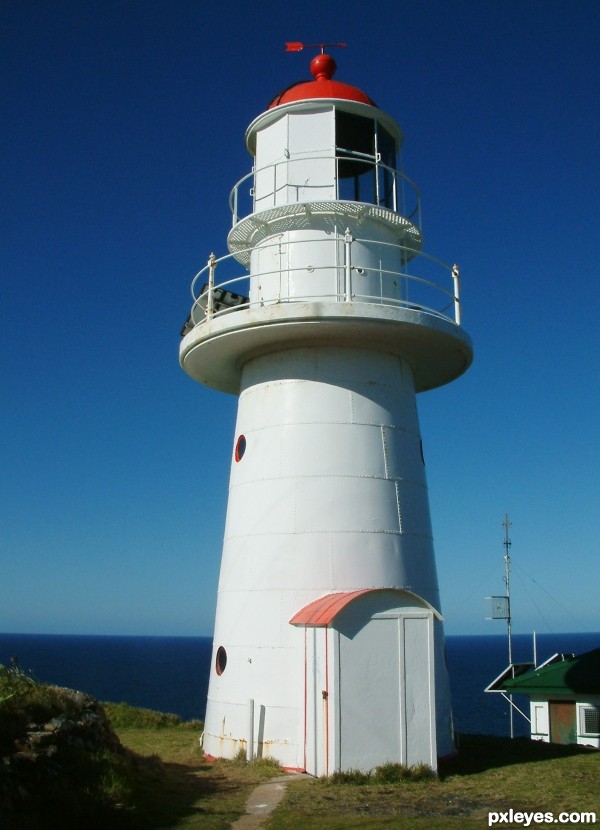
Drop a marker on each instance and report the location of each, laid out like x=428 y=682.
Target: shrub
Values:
x=124 y=716
x=351 y=776
x=389 y=773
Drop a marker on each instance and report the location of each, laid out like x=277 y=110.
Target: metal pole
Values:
x=507 y=543
x=456 y=279
x=212 y=264
x=250 y=744
x=348 y=239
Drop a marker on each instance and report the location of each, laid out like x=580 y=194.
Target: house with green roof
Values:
x=564 y=694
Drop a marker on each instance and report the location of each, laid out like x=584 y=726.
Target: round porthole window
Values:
x=221 y=660
x=240 y=447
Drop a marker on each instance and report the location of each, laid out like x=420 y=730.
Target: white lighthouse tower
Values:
x=326 y=319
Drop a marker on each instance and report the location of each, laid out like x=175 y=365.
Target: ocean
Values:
x=170 y=674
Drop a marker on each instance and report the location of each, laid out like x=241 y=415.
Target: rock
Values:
x=45 y=758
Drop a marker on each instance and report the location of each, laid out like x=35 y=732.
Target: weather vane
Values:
x=296 y=46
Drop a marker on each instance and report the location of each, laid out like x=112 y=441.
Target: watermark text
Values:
x=527 y=818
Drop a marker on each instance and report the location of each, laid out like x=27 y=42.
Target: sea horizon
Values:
x=170 y=673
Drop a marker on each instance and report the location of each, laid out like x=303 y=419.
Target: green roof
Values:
x=571 y=676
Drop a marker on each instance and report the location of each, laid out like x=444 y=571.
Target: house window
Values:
x=589 y=720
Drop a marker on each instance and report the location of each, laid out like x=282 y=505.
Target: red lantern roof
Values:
x=322 y=68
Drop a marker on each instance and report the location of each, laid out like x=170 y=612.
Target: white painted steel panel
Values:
x=389 y=559
x=443 y=711
x=257 y=618
x=380 y=378
x=295 y=265
x=368 y=372
x=402 y=448
x=313 y=270
x=329 y=562
x=264 y=562
x=262 y=507
x=417 y=685
x=311 y=132
x=359 y=505
x=270 y=176
x=309 y=180
x=392 y=397
x=268 y=263
x=369 y=706
x=413 y=508
x=271 y=143
x=230 y=735
x=375 y=270
x=291 y=161
x=285 y=402
x=402 y=700
x=332 y=449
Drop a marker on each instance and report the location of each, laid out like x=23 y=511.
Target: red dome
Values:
x=322 y=68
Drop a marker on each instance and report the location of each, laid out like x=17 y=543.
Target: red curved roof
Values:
x=321 y=612
x=322 y=68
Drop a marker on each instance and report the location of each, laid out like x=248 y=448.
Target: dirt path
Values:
x=263 y=800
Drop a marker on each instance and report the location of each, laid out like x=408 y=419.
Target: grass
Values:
x=489 y=774
x=176 y=786
x=162 y=779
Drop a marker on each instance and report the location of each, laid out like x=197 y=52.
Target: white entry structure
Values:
x=326 y=319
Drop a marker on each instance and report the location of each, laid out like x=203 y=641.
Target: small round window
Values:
x=221 y=660
x=240 y=447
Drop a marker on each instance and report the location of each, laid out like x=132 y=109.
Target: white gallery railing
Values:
x=431 y=286
x=354 y=177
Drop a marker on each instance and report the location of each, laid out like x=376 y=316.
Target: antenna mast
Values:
x=507 y=543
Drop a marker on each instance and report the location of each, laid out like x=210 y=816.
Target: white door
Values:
x=418 y=702
x=368 y=696
x=384 y=695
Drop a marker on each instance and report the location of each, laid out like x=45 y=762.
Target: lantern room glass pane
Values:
x=360 y=142
x=355 y=149
x=386 y=148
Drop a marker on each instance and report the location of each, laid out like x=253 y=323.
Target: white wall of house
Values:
x=540 y=720
x=587 y=713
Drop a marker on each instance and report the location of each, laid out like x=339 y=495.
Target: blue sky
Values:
x=123 y=128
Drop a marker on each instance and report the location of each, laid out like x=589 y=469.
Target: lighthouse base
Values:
x=328 y=497
x=373 y=690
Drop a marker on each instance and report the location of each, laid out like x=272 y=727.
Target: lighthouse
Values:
x=325 y=319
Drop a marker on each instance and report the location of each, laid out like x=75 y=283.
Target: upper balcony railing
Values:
x=357 y=271
x=347 y=176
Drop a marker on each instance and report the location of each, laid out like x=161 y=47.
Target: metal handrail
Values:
x=399 y=180
x=418 y=287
